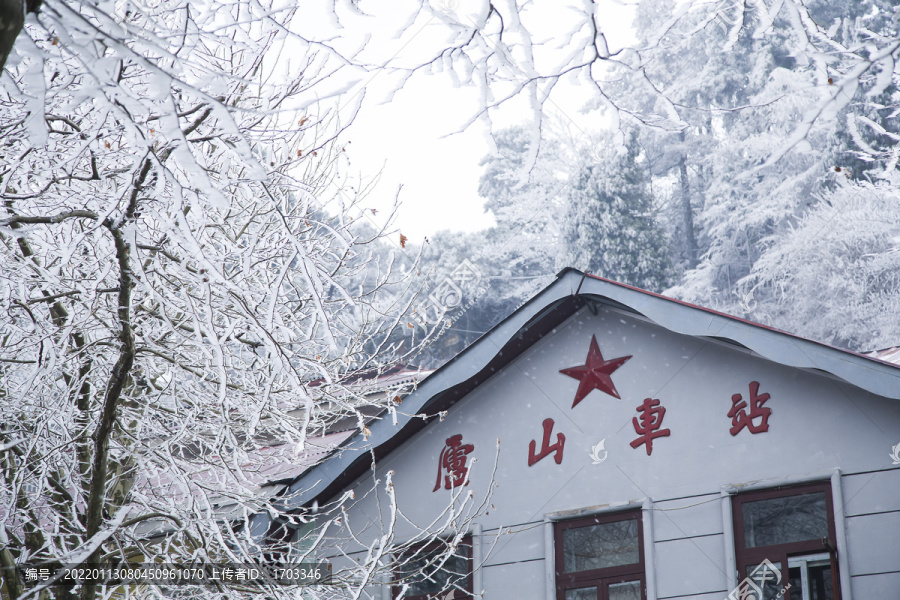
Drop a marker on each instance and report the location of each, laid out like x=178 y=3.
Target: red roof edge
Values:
x=726 y=315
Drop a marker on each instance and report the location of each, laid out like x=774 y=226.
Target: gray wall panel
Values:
x=686 y=517
x=872 y=492
x=518 y=581
x=874 y=543
x=717 y=595
x=690 y=566
x=519 y=543
x=877 y=587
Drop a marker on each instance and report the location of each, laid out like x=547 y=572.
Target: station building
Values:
x=607 y=443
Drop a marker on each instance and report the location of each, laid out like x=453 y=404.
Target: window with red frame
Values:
x=600 y=558
x=435 y=571
x=786 y=536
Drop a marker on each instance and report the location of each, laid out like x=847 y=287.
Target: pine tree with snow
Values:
x=610 y=225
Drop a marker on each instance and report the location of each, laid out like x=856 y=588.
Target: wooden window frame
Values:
x=746 y=558
x=599 y=578
x=439 y=545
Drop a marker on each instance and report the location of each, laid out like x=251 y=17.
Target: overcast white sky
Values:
x=411 y=138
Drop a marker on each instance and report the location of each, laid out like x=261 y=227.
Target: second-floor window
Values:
x=435 y=571
x=600 y=558
x=786 y=536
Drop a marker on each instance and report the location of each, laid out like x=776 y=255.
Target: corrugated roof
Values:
x=888 y=355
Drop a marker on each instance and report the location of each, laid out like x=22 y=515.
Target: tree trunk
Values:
x=687 y=210
x=12 y=20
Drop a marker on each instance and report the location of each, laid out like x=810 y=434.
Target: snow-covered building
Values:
x=606 y=443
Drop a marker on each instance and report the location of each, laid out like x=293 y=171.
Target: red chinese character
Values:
x=649 y=427
x=740 y=418
x=453 y=461
x=546 y=448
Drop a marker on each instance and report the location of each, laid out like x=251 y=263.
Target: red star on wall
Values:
x=595 y=373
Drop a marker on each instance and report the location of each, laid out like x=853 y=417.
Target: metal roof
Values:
x=569 y=293
x=889 y=355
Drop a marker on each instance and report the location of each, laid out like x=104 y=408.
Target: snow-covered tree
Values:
x=752 y=211
x=757 y=112
x=527 y=203
x=610 y=226
x=835 y=275
x=499 y=48
x=186 y=293
x=513 y=259
x=587 y=207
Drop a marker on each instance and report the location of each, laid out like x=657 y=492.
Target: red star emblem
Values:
x=595 y=373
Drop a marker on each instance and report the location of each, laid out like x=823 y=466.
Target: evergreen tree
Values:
x=610 y=224
x=526 y=205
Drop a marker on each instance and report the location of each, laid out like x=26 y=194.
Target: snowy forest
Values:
x=775 y=201
x=192 y=290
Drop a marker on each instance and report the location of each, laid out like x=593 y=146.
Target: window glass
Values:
x=588 y=593
x=785 y=520
x=600 y=546
x=303 y=542
x=629 y=590
x=810 y=576
x=432 y=572
x=763 y=581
